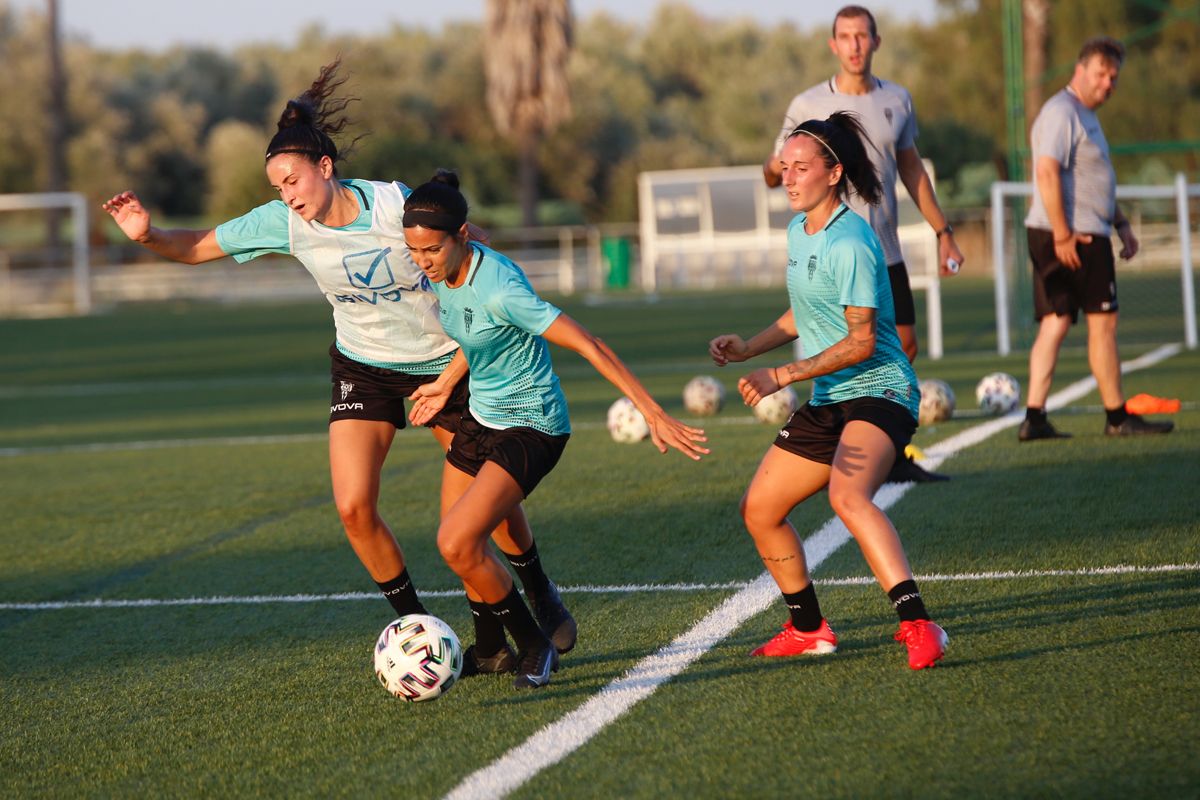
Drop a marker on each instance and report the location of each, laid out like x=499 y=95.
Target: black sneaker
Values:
x=905 y=470
x=1134 y=425
x=1031 y=431
x=535 y=665
x=504 y=660
x=554 y=619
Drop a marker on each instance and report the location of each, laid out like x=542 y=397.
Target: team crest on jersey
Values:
x=468 y=316
x=347 y=388
x=812 y=266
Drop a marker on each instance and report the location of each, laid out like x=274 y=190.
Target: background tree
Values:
x=525 y=61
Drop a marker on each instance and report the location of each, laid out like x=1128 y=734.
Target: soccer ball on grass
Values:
x=418 y=657
x=937 y=402
x=625 y=423
x=703 y=396
x=998 y=393
x=776 y=409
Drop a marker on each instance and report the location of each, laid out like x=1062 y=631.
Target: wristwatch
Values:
x=945 y=230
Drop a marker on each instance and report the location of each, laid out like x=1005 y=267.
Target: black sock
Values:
x=907 y=601
x=514 y=615
x=528 y=566
x=804 y=608
x=1116 y=415
x=401 y=593
x=489 y=633
x=1035 y=414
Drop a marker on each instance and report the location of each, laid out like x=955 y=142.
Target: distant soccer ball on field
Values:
x=418 y=657
x=703 y=396
x=625 y=423
x=937 y=401
x=775 y=409
x=998 y=393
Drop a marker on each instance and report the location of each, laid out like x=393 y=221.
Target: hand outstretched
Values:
x=666 y=431
x=129 y=214
x=427 y=401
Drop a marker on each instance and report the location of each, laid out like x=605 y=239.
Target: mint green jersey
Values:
x=838 y=266
x=498 y=320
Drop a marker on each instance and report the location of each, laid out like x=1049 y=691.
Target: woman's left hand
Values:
x=666 y=431
x=758 y=384
x=427 y=401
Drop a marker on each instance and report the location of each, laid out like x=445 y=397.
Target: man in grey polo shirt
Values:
x=885 y=110
x=1073 y=214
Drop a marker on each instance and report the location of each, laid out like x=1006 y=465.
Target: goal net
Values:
x=43 y=274
x=1155 y=289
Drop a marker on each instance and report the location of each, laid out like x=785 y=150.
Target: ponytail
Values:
x=309 y=122
x=843 y=141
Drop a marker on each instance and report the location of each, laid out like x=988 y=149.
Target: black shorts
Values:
x=1064 y=292
x=526 y=454
x=375 y=393
x=813 y=432
x=902 y=296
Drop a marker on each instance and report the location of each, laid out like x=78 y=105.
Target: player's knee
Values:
x=460 y=553
x=757 y=515
x=848 y=502
x=358 y=516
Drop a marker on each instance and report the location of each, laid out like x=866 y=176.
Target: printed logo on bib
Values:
x=371 y=271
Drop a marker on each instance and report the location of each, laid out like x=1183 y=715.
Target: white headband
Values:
x=824 y=143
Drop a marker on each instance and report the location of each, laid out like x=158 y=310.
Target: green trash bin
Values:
x=615 y=251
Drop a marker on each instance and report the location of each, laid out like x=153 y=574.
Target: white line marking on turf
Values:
x=555 y=741
x=628 y=588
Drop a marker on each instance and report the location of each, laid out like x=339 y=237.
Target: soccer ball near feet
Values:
x=418 y=657
x=998 y=393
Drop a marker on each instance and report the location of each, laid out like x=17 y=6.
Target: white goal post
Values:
x=704 y=228
x=80 y=268
x=1180 y=192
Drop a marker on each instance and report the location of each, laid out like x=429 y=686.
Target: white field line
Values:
x=627 y=588
x=555 y=741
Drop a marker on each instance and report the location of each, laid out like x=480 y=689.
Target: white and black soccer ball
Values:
x=776 y=409
x=937 y=402
x=625 y=423
x=703 y=396
x=418 y=657
x=998 y=393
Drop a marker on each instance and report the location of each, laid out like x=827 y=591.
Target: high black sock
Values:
x=1116 y=415
x=401 y=593
x=804 y=608
x=489 y=633
x=1035 y=414
x=907 y=601
x=514 y=615
x=528 y=566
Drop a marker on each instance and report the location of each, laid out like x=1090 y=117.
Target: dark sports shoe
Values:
x=535 y=665
x=554 y=619
x=905 y=470
x=504 y=660
x=1031 y=431
x=1134 y=425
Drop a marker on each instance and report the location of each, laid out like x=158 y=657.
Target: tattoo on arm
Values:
x=857 y=346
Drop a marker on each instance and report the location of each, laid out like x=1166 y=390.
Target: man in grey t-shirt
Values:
x=1073 y=214
x=885 y=110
